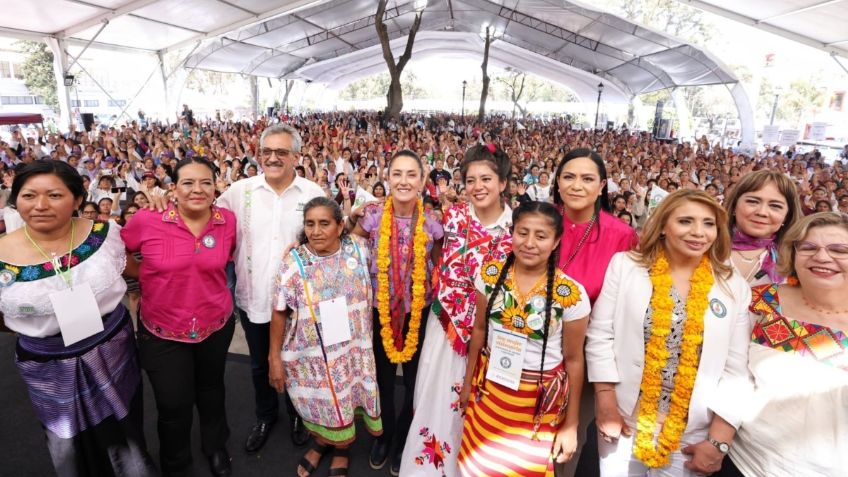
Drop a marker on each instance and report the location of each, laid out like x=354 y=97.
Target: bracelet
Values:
x=599 y=391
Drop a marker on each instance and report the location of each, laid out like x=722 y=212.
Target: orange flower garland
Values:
x=419 y=275
x=656 y=356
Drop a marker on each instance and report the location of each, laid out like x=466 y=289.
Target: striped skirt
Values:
x=498 y=433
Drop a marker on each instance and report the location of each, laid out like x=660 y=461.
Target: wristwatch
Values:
x=722 y=447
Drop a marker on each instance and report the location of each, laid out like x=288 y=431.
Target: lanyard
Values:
x=65 y=275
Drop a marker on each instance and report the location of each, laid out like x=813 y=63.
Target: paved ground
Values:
x=25 y=453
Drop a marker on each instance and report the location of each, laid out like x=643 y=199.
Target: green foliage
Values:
x=377 y=86
x=38 y=71
x=793 y=102
x=671 y=16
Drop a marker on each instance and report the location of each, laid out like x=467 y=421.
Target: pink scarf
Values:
x=743 y=241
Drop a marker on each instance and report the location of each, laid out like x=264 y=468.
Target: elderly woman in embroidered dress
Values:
x=796 y=421
x=762 y=207
x=321 y=350
x=85 y=388
x=667 y=345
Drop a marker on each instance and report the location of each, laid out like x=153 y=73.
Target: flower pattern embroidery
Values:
x=456 y=388
x=434 y=451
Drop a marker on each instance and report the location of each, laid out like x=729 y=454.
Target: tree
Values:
x=289 y=85
x=38 y=71
x=377 y=85
x=394 y=98
x=514 y=81
x=485 y=67
x=793 y=102
x=670 y=16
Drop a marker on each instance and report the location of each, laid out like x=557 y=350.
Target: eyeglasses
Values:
x=837 y=251
x=266 y=153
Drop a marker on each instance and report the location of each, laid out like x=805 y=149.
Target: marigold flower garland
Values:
x=419 y=274
x=656 y=357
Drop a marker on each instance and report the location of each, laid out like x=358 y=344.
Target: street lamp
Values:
x=774 y=106
x=598 y=107
x=464 y=84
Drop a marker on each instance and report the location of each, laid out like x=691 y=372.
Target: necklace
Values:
x=53 y=259
x=581 y=242
x=746 y=259
x=523 y=297
x=822 y=310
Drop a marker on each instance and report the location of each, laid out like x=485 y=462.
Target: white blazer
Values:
x=615 y=345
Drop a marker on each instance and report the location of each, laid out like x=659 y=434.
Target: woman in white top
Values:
x=762 y=207
x=667 y=345
x=541 y=191
x=83 y=379
x=797 y=420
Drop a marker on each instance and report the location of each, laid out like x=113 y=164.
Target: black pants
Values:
x=728 y=469
x=396 y=426
x=589 y=463
x=185 y=375
x=258 y=336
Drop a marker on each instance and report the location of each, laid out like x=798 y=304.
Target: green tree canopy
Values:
x=38 y=71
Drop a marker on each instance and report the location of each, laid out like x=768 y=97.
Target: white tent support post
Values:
x=635 y=122
x=60 y=64
x=254 y=96
x=178 y=83
x=161 y=57
x=746 y=114
x=88 y=43
x=836 y=59
x=94 y=80
x=144 y=85
x=684 y=119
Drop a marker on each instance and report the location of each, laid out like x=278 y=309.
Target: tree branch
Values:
x=407 y=53
x=383 y=34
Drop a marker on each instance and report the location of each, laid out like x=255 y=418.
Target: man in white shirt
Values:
x=269 y=212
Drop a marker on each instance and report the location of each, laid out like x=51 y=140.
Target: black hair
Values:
x=551 y=212
x=498 y=160
x=602 y=203
x=64 y=171
x=175 y=176
x=321 y=201
x=122 y=220
x=380 y=185
x=87 y=203
x=407 y=153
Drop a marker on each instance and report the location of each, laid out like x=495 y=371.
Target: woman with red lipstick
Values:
x=762 y=207
x=667 y=345
x=798 y=358
x=591 y=236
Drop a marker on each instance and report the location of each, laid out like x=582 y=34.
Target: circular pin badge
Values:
x=535 y=322
x=352 y=263
x=538 y=303
x=348 y=249
x=718 y=308
x=208 y=241
x=6 y=278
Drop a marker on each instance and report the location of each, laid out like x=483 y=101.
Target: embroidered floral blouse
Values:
x=24 y=289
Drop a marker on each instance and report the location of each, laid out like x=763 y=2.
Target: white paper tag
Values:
x=77 y=312
x=335 y=325
x=507 y=360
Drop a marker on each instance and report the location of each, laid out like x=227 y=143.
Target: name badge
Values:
x=335 y=325
x=77 y=312
x=507 y=360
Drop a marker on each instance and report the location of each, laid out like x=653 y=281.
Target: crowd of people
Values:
x=687 y=296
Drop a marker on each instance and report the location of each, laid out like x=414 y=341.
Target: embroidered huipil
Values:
x=797 y=419
x=184 y=294
x=467 y=245
x=268 y=223
x=328 y=384
x=371 y=224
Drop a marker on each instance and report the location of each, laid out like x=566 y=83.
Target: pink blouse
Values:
x=607 y=238
x=184 y=294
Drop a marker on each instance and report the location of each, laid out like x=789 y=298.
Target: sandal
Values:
x=340 y=471
x=307 y=466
